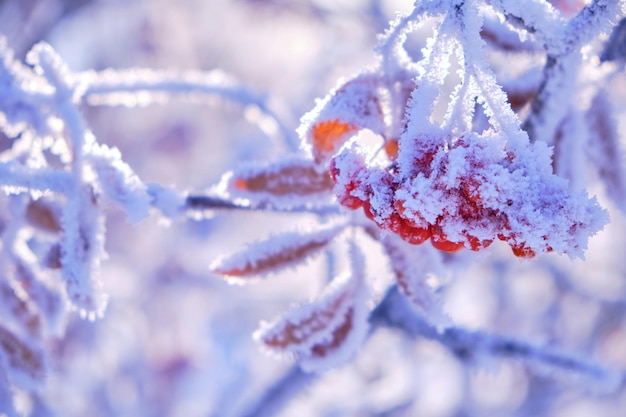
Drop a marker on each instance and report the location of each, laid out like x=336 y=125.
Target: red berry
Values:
x=471 y=205
x=414 y=235
x=523 y=251
x=446 y=245
x=348 y=200
x=476 y=244
x=440 y=241
x=424 y=161
x=367 y=209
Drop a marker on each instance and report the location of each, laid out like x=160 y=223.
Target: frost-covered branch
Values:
x=563 y=63
x=16 y=177
x=142 y=87
x=598 y=17
x=199 y=203
x=551 y=103
x=476 y=346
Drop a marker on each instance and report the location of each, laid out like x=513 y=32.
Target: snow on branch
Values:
x=143 y=87
x=476 y=346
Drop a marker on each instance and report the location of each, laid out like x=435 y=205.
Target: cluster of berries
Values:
x=453 y=215
x=459 y=191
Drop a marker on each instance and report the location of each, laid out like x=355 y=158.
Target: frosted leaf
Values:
x=290 y=182
x=324 y=333
x=46 y=298
x=82 y=250
x=278 y=252
x=415 y=270
x=24 y=362
x=44 y=215
x=353 y=106
x=118 y=184
x=17 y=308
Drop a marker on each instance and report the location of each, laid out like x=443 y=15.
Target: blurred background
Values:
x=176 y=341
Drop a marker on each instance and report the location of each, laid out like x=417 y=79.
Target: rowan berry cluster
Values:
x=465 y=192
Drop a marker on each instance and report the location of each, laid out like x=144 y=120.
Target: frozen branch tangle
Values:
x=479 y=171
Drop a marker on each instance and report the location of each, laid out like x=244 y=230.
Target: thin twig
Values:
x=467 y=345
x=196 y=203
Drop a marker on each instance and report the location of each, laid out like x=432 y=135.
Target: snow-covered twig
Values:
x=142 y=87
x=474 y=346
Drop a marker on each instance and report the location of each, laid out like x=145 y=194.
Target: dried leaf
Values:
x=41 y=214
x=276 y=253
x=53 y=257
x=391 y=148
x=324 y=333
x=289 y=177
x=24 y=362
x=355 y=105
x=49 y=301
x=328 y=135
x=414 y=268
x=82 y=249
x=17 y=308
